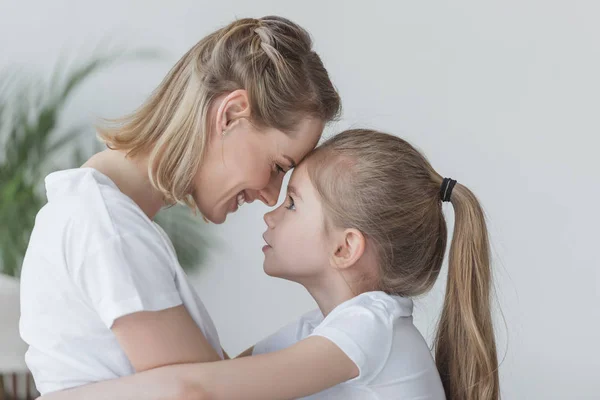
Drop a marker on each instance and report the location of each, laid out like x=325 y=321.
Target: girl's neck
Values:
x=131 y=177
x=334 y=286
x=330 y=293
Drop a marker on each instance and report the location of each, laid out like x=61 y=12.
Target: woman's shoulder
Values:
x=94 y=204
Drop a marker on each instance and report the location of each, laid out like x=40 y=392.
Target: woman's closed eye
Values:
x=279 y=169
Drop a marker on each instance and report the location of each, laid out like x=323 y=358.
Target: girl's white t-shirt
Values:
x=94 y=256
x=376 y=331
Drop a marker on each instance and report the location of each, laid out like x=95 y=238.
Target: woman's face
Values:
x=243 y=163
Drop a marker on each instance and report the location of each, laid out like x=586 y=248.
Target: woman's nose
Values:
x=270 y=194
x=262 y=195
x=269 y=198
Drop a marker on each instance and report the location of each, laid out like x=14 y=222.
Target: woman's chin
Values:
x=216 y=218
x=219 y=220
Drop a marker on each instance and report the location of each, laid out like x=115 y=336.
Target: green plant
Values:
x=30 y=138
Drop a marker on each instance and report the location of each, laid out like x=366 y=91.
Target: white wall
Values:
x=501 y=95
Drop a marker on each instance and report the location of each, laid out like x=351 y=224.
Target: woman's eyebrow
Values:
x=291 y=160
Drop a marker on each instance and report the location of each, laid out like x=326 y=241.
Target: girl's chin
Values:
x=269 y=270
x=275 y=272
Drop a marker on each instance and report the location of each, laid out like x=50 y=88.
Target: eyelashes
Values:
x=291 y=206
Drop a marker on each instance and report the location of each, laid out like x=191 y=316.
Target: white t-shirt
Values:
x=94 y=256
x=376 y=331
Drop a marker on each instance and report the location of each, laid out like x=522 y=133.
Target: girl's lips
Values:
x=267 y=246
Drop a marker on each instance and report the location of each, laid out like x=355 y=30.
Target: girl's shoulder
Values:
x=381 y=303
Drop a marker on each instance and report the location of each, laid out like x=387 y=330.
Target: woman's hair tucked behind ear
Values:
x=381 y=185
x=271 y=58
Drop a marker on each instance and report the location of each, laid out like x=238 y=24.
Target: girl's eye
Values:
x=279 y=169
x=291 y=206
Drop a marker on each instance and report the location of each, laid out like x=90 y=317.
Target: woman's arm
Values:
x=225 y=355
x=158 y=338
x=308 y=367
x=246 y=353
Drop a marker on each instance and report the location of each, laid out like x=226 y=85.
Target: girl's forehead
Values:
x=299 y=174
x=301 y=185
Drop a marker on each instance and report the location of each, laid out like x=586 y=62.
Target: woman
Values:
x=102 y=293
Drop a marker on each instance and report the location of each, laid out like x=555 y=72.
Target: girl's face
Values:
x=297 y=244
x=243 y=163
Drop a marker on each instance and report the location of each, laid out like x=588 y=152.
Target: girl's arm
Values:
x=310 y=366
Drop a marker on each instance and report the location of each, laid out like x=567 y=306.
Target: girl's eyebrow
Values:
x=292 y=190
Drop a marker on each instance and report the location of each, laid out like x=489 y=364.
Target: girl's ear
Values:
x=349 y=248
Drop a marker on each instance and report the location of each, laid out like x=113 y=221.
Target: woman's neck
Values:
x=131 y=177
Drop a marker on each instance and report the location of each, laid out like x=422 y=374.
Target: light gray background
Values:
x=501 y=95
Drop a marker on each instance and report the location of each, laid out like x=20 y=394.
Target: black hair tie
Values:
x=446 y=189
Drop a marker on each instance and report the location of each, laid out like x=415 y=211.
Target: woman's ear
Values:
x=233 y=107
x=349 y=248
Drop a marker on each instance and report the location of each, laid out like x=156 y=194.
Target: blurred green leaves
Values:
x=30 y=140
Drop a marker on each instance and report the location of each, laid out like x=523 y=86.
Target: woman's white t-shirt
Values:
x=375 y=330
x=94 y=256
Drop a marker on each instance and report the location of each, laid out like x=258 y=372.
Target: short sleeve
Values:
x=283 y=338
x=289 y=334
x=128 y=274
x=364 y=334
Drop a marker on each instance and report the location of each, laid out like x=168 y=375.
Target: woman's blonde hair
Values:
x=271 y=58
x=382 y=186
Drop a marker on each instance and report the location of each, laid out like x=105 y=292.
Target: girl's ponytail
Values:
x=465 y=346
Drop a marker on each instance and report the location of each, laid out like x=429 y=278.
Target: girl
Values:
x=363 y=231
x=102 y=293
